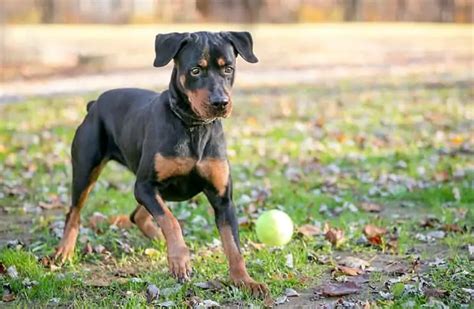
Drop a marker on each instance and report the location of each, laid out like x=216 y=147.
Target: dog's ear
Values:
x=242 y=42
x=167 y=46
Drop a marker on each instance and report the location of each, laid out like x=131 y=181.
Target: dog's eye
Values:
x=228 y=70
x=195 y=71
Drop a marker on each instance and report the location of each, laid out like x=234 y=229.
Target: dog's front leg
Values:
x=227 y=225
x=178 y=253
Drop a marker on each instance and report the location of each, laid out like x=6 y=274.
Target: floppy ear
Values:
x=167 y=46
x=242 y=42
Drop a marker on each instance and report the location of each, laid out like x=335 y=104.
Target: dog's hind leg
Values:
x=144 y=221
x=88 y=159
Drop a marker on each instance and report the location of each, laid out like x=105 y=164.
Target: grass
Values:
x=310 y=151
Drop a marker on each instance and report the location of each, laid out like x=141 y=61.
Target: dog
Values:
x=174 y=144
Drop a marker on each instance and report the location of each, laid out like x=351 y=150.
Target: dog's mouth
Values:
x=221 y=111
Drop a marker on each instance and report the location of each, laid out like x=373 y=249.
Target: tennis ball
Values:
x=274 y=228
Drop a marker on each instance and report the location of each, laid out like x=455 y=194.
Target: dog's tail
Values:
x=89 y=105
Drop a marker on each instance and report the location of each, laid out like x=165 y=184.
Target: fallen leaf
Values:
x=167 y=304
x=121 y=221
x=430 y=222
x=53 y=203
x=213 y=285
x=289 y=260
x=243 y=221
x=208 y=303
x=96 y=220
x=373 y=231
x=371 y=207
x=289 y=292
x=309 y=230
x=281 y=300
x=99 y=249
x=268 y=302
x=88 y=249
x=349 y=271
x=433 y=292
x=152 y=293
x=335 y=236
x=354 y=262
x=12 y=272
x=256 y=246
x=8 y=296
x=3 y=269
x=436 y=234
x=375 y=240
x=452 y=228
x=339 y=289
x=152 y=252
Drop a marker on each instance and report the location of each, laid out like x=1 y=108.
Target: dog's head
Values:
x=205 y=66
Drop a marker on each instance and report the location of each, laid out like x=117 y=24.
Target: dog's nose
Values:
x=219 y=101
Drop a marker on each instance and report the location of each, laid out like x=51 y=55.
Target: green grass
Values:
x=405 y=147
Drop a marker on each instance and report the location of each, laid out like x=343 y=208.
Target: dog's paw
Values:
x=64 y=253
x=180 y=264
x=257 y=289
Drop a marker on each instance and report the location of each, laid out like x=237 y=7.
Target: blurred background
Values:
x=75 y=46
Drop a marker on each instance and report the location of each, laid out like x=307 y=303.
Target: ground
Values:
x=376 y=173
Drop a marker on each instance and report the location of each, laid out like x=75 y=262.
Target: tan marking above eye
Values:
x=202 y=63
x=216 y=171
x=221 y=61
x=167 y=167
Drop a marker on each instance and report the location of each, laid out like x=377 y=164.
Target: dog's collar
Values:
x=188 y=119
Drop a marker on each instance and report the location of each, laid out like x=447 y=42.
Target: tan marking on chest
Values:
x=216 y=171
x=167 y=167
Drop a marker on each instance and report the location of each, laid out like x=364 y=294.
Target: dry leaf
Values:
x=373 y=231
x=97 y=219
x=256 y=246
x=54 y=202
x=370 y=207
x=8 y=296
x=335 y=236
x=452 y=228
x=152 y=252
x=309 y=230
x=268 y=302
x=339 y=289
x=121 y=221
x=88 y=249
x=349 y=271
x=152 y=293
x=213 y=285
x=433 y=292
x=375 y=240
x=354 y=262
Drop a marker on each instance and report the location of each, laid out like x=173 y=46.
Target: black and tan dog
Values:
x=172 y=141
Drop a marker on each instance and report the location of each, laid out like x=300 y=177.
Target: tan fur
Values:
x=202 y=63
x=221 y=61
x=66 y=247
x=178 y=252
x=167 y=167
x=237 y=269
x=199 y=100
x=144 y=221
x=216 y=171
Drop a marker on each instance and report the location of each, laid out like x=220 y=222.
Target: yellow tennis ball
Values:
x=274 y=228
